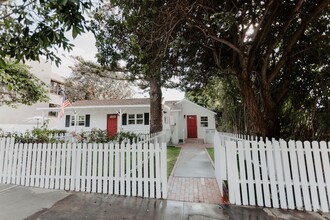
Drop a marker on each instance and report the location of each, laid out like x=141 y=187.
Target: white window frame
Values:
x=139 y=120
x=73 y=120
x=204 y=123
x=81 y=122
x=131 y=121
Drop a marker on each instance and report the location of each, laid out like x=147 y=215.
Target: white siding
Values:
x=98 y=119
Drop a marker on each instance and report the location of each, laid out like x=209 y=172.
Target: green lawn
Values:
x=172 y=155
x=211 y=152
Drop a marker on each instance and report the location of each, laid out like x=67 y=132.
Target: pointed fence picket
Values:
x=279 y=174
x=131 y=169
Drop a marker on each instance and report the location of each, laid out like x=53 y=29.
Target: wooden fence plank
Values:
x=111 y=167
x=250 y=177
x=158 y=171
x=287 y=174
x=73 y=166
x=48 y=163
x=43 y=165
x=39 y=153
x=128 y=170
x=15 y=164
x=78 y=167
x=295 y=175
x=242 y=176
x=56 y=172
x=272 y=179
x=311 y=176
x=134 y=178
x=117 y=168
x=303 y=176
x=10 y=161
x=84 y=172
x=68 y=166
x=19 y=163
x=232 y=171
x=99 y=167
x=2 y=156
x=325 y=154
x=279 y=174
x=319 y=177
x=164 y=170
x=122 y=168
x=256 y=169
x=94 y=168
x=264 y=174
x=33 y=169
x=28 y=164
x=152 y=170
x=139 y=169
x=106 y=168
x=60 y=166
x=145 y=170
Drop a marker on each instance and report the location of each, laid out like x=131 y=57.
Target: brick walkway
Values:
x=193 y=188
x=204 y=190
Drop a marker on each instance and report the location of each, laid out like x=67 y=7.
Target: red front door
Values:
x=112 y=124
x=192 y=126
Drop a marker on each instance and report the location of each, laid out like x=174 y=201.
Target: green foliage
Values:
x=101 y=136
x=18 y=85
x=37 y=135
x=32 y=28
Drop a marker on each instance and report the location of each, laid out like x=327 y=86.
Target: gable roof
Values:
x=173 y=105
x=112 y=102
x=193 y=103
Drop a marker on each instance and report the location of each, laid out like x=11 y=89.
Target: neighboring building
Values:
x=25 y=117
x=181 y=119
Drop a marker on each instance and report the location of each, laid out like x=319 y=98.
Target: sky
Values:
x=85 y=47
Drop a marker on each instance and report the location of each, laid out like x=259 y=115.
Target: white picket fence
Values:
x=279 y=174
x=137 y=169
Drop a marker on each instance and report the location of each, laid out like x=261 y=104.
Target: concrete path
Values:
x=194 y=162
x=193 y=178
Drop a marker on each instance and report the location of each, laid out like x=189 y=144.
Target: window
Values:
x=81 y=120
x=73 y=120
x=139 y=119
x=131 y=119
x=204 y=121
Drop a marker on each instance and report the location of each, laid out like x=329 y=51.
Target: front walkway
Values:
x=193 y=178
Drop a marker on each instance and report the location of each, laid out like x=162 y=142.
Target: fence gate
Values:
x=137 y=169
x=279 y=174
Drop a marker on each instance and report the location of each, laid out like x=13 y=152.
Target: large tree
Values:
x=129 y=31
x=31 y=28
x=267 y=45
x=89 y=81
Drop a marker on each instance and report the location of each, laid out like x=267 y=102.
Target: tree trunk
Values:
x=156 y=124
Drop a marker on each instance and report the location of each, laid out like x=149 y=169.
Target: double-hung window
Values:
x=131 y=119
x=204 y=121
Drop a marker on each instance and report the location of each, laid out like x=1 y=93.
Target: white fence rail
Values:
x=279 y=174
x=137 y=169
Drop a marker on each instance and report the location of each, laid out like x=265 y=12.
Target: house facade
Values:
x=181 y=119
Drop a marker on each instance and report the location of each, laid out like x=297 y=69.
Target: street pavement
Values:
x=18 y=202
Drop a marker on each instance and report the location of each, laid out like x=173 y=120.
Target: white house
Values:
x=25 y=117
x=181 y=119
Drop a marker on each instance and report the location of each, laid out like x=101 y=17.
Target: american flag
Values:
x=65 y=104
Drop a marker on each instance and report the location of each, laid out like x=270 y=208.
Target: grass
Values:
x=211 y=152
x=172 y=156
